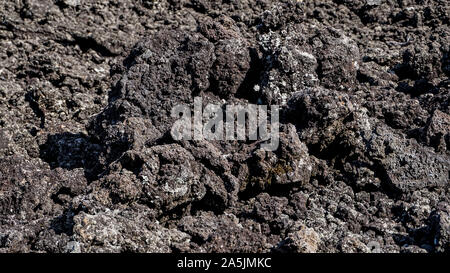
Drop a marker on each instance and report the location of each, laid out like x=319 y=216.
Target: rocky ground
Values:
x=88 y=164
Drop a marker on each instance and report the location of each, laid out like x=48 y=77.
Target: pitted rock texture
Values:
x=88 y=164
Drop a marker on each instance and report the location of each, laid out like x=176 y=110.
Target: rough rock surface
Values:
x=87 y=162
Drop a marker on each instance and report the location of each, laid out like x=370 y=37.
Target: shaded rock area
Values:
x=87 y=162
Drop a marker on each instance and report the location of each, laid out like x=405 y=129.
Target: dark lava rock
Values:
x=88 y=164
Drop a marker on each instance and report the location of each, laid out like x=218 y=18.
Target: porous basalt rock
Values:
x=88 y=163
